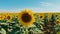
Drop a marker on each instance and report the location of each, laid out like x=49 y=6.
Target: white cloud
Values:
x=43 y=10
x=45 y=4
x=40 y=10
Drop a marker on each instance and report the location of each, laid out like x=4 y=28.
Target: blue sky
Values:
x=34 y=5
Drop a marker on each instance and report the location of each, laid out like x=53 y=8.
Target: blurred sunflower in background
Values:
x=8 y=16
x=41 y=15
x=2 y=17
x=58 y=22
x=26 y=18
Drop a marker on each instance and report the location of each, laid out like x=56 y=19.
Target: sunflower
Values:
x=41 y=15
x=58 y=21
x=8 y=16
x=26 y=18
x=2 y=17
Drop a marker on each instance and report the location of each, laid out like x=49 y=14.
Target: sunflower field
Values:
x=28 y=22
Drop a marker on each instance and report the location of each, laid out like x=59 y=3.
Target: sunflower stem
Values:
x=26 y=32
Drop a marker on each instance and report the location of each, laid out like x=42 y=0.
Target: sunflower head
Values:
x=58 y=21
x=26 y=18
x=2 y=17
x=41 y=15
x=8 y=16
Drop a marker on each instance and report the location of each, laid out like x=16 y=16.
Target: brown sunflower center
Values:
x=0 y=16
x=40 y=16
x=8 y=17
x=26 y=17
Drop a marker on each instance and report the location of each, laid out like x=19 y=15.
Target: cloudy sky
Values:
x=34 y=5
